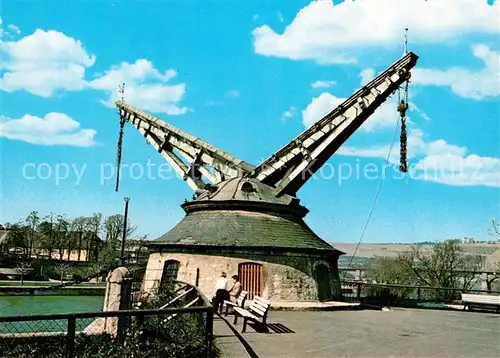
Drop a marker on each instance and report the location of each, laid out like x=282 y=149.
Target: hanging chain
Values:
x=119 y=152
x=402 y=107
x=121 y=91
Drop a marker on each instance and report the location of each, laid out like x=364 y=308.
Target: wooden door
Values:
x=251 y=278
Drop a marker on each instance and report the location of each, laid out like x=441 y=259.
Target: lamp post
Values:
x=124 y=231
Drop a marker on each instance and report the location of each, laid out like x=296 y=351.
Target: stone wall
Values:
x=286 y=277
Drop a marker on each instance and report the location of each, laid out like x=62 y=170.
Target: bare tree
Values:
x=79 y=227
x=48 y=234
x=32 y=222
x=94 y=227
x=63 y=269
x=23 y=268
x=445 y=265
x=495 y=230
x=61 y=232
x=113 y=226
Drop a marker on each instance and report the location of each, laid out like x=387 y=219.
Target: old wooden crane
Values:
x=249 y=212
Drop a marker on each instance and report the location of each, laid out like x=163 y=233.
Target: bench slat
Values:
x=260 y=304
x=258 y=310
x=258 y=298
x=481 y=299
x=243 y=312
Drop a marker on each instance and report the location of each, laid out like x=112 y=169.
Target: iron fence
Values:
x=393 y=294
x=107 y=334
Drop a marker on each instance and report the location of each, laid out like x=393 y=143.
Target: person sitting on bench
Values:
x=235 y=290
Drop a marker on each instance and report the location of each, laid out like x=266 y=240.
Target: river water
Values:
x=17 y=305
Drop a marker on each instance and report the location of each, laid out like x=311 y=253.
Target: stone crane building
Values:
x=246 y=219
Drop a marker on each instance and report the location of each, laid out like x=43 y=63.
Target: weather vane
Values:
x=406 y=41
x=121 y=90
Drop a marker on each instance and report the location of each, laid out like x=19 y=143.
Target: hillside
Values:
x=491 y=251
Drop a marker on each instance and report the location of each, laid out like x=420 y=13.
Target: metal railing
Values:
x=403 y=294
x=72 y=334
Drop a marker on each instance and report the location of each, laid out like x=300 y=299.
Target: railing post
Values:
x=125 y=304
x=197 y=281
x=209 y=330
x=70 y=337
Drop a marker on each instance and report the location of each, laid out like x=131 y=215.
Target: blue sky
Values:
x=248 y=77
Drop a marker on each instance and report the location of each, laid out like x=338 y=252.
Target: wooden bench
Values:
x=240 y=301
x=256 y=312
x=469 y=299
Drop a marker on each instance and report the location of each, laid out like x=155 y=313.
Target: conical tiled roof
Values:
x=244 y=229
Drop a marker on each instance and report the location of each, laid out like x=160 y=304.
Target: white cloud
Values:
x=417 y=109
x=280 y=17
x=324 y=31
x=145 y=87
x=466 y=83
x=436 y=161
x=417 y=147
x=323 y=84
x=232 y=94
x=367 y=75
x=48 y=61
x=53 y=129
x=453 y=169
x=385 y=116
x=289 y=113
x=14 y=28
x=44 y=62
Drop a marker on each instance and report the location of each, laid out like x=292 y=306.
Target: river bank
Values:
x=44 y=288
x=63 y=291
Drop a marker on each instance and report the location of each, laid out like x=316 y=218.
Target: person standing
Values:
x=221 y=292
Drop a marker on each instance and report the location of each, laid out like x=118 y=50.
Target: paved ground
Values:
x=369 y=333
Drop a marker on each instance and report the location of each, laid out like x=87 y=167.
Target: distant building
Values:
x=89 y=252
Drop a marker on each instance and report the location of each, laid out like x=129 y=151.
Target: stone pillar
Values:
x=484 y=281
x=116 y=298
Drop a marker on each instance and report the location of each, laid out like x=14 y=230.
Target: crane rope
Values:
x=402 y=107
x=382 y=177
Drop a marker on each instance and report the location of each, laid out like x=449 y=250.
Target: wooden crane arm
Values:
x=290 y=167
x=189 y=156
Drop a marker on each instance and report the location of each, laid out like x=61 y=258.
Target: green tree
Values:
x=17 y=238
